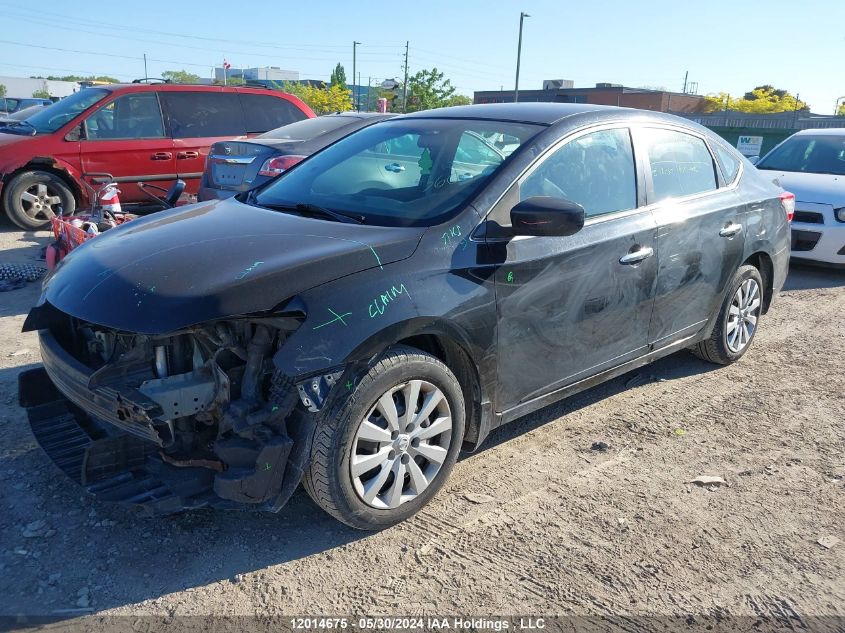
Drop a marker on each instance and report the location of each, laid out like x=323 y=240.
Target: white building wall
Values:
x=23 y=87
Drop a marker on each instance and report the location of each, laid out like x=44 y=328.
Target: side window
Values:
x=264 y=113
x=681 y=164
x=729 y=162
x=204 y=114
x=132 y=116
x=474 y=156
x=595 y=170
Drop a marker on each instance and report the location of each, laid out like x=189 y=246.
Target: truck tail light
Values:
x=787 y=201
x=278 y=164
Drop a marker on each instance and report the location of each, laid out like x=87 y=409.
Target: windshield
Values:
x=309 y=128
x=55 y=116
x=412 y=172
x=822 y=154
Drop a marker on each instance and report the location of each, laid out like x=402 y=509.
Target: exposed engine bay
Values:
x=204 y=407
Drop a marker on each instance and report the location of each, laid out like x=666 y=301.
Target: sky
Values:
x=725 y=45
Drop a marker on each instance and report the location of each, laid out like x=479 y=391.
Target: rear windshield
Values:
x=822 y=154
x=412 y=172
x=55 y=116
x=309 y=128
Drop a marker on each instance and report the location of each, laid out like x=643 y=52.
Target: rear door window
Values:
x=263 y=112
x=204 y=114
x=681 y=164
x=132 y=116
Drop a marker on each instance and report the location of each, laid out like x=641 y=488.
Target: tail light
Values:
x=787 y=201
x=278 y=164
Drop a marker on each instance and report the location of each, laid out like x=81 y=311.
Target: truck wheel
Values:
x=383 y=450
x=32 y=198
x=738 y=319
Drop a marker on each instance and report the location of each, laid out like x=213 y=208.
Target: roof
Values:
x=542 y=113
x=827 y=131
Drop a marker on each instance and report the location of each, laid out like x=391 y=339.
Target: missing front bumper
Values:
x=118 y=466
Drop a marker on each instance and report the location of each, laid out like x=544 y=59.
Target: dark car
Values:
x=10 y=105
x=22 y=114
x=391 y=299
x=235 y=166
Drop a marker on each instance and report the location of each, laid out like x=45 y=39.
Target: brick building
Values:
x=602 y=94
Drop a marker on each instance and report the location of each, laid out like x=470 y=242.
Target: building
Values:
x=23 y=87
x=767 y=129
x=267 y=73
x=561 y=91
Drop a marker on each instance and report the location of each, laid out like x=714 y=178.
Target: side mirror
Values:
x=541 y=215
x=754 y=159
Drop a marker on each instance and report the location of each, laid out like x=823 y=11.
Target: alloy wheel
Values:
x=401 y=444
x=38 y=202
x=743 y=315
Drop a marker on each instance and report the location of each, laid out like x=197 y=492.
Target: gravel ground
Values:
x=536 y=522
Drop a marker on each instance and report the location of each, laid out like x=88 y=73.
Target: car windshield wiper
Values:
x=316 y=210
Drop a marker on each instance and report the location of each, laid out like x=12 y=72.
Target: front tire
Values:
x=382 y=451
x=32 y=198
x=738 y=319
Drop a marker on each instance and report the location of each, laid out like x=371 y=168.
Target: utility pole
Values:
x=405 y=84
x=145 y=67
x=522 y=16
x=358 y=104
x=354 y=54
x=686 y=76
x=369 y=86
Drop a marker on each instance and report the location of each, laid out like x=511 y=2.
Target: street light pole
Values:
x=522 y=16
x=354 y=54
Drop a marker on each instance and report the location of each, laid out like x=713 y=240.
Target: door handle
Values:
x=394 y=167
x=730 y=230
x=637 y=256
x=185 y=155
x=161 y=156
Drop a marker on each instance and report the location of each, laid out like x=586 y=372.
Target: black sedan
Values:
x=358 y=321
x=235 y=166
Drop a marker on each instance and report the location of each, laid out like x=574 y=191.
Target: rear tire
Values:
x=738 y=319
x=360 y=452
x=32 y=198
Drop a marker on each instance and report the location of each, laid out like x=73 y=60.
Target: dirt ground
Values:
x=535 y=523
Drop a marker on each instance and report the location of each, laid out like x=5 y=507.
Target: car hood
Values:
x=213 y=260
x=7 y=139
x=816 y=188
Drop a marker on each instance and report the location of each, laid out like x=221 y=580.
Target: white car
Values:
x=811 y=164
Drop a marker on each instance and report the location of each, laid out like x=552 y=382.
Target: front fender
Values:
x=443 y=289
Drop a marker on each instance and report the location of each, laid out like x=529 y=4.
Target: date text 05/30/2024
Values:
x=428 y=623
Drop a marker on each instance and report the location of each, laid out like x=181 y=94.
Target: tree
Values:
x=338 y=77
x=428 y=89
x=762 y=100
x=180 y=76
x=322 y=100
x=458 y=100
x=42 y=93
x=839 y=112
x=106 y=78
x=2 y=90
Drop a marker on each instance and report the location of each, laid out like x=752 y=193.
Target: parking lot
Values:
x=538 y=521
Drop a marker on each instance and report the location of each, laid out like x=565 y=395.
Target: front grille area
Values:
x=808 y=217
x=804 y=240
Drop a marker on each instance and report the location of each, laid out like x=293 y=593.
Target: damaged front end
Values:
x=199 y=417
